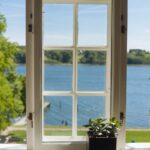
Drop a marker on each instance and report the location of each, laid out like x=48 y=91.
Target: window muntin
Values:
x=75 y=92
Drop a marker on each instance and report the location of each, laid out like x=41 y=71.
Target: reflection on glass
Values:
x=91 y=71
x=89 y=107
x=57 y=19
x=92 y=25
x=58 y=70
x=57 y=116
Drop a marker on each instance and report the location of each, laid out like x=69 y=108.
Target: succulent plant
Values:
x=100 y=127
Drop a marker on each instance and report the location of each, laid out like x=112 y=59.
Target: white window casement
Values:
x=40 y=40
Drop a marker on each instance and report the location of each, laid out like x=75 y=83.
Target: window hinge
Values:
x=30 y=28
x=123 y=27
x=30 y=118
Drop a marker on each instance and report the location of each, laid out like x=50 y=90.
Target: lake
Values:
x=92 y=77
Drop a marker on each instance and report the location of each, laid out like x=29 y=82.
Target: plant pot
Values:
x=102 y=143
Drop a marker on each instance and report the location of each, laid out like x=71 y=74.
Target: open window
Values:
x=70 y=66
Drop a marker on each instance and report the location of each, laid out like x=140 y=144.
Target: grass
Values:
x=131 y=135
x=137 y=136
x=18 y=137
x=19 y=126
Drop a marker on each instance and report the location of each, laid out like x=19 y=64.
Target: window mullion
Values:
x=75 y=65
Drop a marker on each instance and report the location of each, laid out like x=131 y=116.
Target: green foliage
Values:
x=135 y=56
x=2 y=24
x=138 y=56
x=11 y=85
x=92 y=57
x=10 y=104
x=20 y=57
x=103 y=128
x=55 y=57
x=84 y=57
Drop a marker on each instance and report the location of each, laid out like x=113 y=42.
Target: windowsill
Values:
x=13 y=147
x=129 y=146
x=64 y=139
x=138 y=146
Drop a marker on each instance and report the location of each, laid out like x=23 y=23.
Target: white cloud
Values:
x=93 y=39
x=60 y=37
x=15 y=5
x=147 y=30
x=142 y=43
x=93 y=9
x=15 y=15
x=58 y=40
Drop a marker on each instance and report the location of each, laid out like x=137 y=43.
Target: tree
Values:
x=20 y=57
x=11 y=85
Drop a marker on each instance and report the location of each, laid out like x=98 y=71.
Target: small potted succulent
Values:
x=103 y=133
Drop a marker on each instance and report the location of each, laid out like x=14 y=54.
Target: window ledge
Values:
x=129 y=146
x=138 y=146
x=64 y=139
x=13 y=147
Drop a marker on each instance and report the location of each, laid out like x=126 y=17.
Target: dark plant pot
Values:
x=102 y=143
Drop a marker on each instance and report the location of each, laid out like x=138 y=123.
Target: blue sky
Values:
x=89 y=33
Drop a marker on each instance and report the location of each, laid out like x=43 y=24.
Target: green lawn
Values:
x=137 y=136
x=18 y=137
x=131 y=136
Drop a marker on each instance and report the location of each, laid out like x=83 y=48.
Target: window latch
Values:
x=122 y=117
x=30 y=118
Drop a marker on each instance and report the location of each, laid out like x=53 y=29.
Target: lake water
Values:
x=92 y=77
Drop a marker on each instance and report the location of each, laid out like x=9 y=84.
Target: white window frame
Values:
x=119 y=62
x=34 y=74
x=75 y=49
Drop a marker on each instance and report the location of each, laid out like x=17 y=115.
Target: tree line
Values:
x=134 y=56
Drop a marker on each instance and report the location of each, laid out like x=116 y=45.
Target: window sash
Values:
x=75 y=48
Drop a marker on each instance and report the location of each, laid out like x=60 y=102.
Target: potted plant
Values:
x=102 y=134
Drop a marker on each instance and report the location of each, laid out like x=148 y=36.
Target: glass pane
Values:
x=91 y=70
x=92 y=25
x=58 y=24
x=57 y=116
x=58 y=70
x=89 y=107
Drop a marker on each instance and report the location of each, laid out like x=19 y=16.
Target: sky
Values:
x=58 y=25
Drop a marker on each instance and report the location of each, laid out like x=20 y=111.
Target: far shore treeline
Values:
x=134 y=56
